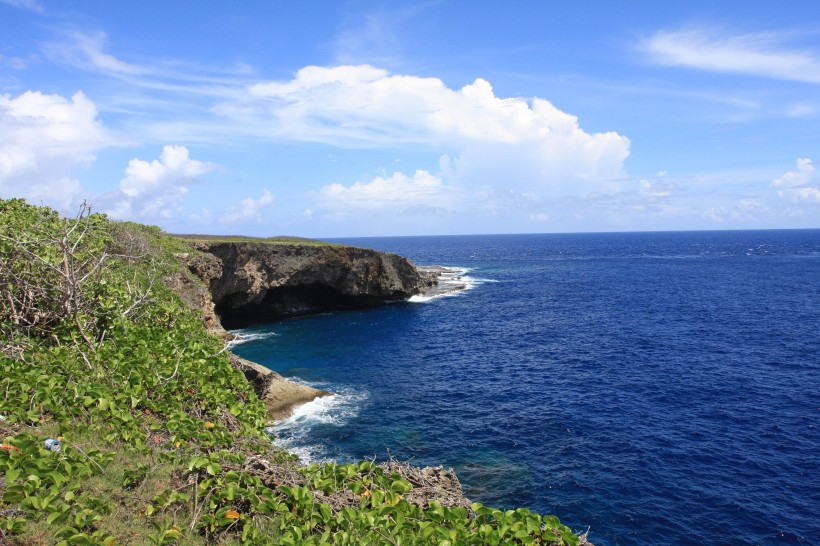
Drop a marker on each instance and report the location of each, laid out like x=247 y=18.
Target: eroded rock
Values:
x=278 y=394
x=256 y=282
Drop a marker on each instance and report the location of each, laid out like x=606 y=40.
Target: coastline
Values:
x=282 y=396
x=172 y=416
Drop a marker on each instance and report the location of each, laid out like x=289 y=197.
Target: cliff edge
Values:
x=253 y=282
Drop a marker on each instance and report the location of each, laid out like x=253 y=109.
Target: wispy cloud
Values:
x=15 y=63
x=759 y=54
x=375 y=37
x=31 y=5
x=86 y=51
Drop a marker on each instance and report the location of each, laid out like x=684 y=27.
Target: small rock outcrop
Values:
x=279 y=395
x=253 y=282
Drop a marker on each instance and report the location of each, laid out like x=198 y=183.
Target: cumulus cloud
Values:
x=44 y=140
x=369 y=104
x=248 y=210
x=396 y=193
x=365 y=106
x=800 y=185
x=156 y=188
x=760 y=54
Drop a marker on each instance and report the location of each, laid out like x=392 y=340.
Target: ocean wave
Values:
x=452 y=281
x=245 y=336
x=294 y=434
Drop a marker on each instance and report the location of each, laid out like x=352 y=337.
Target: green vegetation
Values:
x=279 y=240
x=161 y=436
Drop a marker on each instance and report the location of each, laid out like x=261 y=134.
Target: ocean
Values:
x=654 y=388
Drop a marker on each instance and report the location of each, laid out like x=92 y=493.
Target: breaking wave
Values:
x=337 y=410
x=245 y=336
x=452 y=281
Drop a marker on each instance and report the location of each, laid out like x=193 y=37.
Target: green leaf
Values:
x=54 y=516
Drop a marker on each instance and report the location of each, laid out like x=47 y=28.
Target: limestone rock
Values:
x=256 y=281
x=194 y=292
x=278 y=394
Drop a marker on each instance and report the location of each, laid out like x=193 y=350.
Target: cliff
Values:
x=249 y=282
x=253 y=282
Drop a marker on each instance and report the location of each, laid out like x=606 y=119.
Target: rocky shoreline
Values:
x=239 y=283
x=248 y=274
x=280 y=396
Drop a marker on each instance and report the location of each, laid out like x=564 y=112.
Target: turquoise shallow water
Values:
x=660 y=388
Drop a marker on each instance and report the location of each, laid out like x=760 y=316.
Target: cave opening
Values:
x=287 y=301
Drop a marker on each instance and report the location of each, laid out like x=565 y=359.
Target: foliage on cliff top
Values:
x=278 y=240
x=161 y=435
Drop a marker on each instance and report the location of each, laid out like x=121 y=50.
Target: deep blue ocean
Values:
x=658 y=388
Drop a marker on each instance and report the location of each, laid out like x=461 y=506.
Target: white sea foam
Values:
x=244 y=336
x=452 y=281
x=294 y=433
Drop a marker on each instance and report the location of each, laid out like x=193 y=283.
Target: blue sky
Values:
x=334 y=119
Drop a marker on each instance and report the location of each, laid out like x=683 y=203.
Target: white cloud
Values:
x=800 y=185
x=370 y=105
x=747 y=210
x=658 y=188
x=364 y=106
x=758 y=54
x=248 y=210
x=44 y=139
x=396 y=194
x=154 y=189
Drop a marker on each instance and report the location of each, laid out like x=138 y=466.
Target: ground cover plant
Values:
x=160 y=436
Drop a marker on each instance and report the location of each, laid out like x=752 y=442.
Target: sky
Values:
x=365 y=118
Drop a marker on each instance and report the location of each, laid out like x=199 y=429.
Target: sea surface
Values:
x=656 y=388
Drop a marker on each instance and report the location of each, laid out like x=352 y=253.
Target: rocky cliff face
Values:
x=251 y=282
